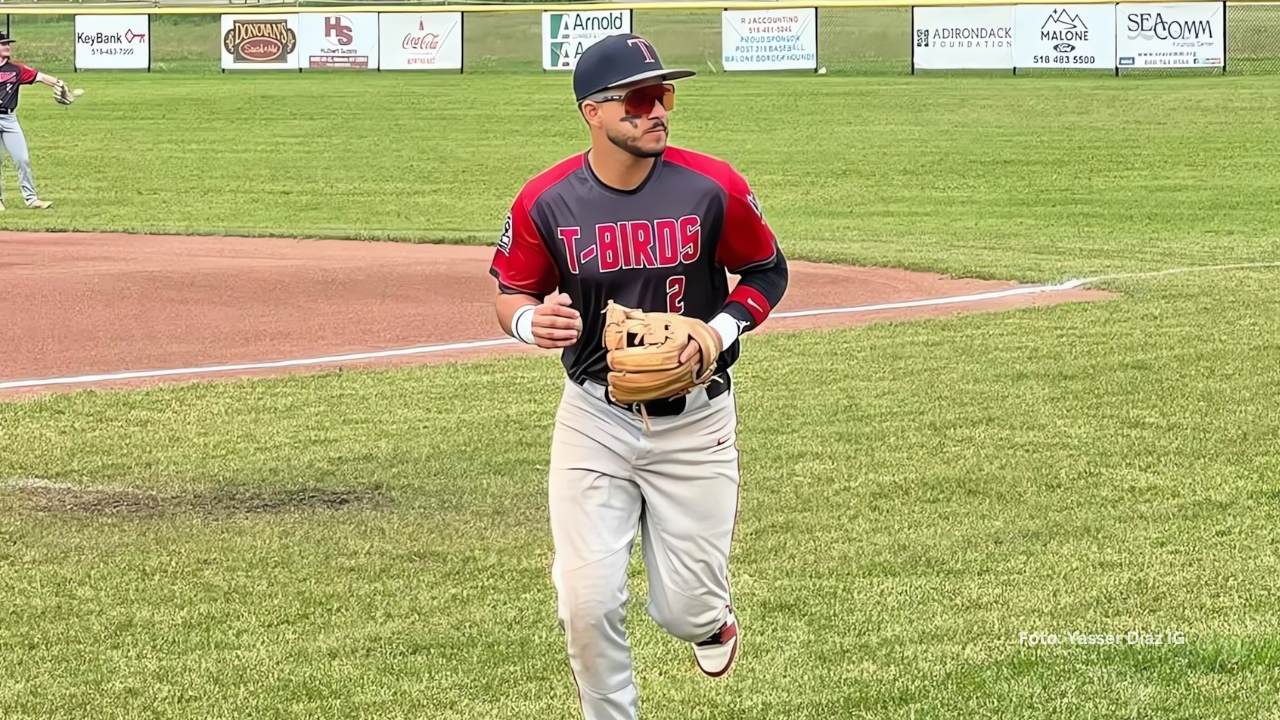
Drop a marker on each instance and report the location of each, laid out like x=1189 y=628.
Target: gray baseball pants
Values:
x=609 y=477
x=15 y=144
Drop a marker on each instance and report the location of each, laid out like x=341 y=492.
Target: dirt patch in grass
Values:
x=52 y=497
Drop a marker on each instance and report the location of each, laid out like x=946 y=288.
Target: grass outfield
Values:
x=915 y=496
x=375 y=544
x=1008 y=177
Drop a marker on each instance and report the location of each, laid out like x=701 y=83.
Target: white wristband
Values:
x=522 y=324
x=727 y=327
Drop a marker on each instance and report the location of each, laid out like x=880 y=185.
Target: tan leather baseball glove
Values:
x=62 y=94
x=644 y=354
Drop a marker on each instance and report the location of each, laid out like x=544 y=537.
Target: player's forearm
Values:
x=507 y=304
x=49 y=80
x=758 y=292
x=549 y=324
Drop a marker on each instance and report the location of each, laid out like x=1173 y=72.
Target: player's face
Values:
x=638 y=121
x=5 y=50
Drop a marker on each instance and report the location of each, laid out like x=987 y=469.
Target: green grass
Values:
x=915 y=495
x=1027 y=177
x=911 y=503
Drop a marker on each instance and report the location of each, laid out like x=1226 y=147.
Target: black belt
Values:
x=5 y=112
x=668 y=407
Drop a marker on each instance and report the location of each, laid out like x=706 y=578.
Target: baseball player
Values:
x=12 y=76
x=653 y=227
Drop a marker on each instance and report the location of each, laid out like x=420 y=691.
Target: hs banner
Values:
x=338 y=41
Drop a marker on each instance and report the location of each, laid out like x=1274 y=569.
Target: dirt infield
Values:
x=80 y=304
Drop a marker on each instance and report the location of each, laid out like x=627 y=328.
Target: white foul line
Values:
x=299 y=362
x=473 y=344
x=931 y=302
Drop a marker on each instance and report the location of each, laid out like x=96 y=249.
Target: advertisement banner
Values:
x=113 y=42
x=338 y=41
x=769 y=39
x=259 y=42
x=565 y=35
x=1064 y=36
x=1170 y=36
x=963 y=38
x=423 y=41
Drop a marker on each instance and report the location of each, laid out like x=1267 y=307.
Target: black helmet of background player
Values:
x=5 y=46
x=625 y=93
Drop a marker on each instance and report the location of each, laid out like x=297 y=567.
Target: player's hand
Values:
x=691 y=351
x=555 y=324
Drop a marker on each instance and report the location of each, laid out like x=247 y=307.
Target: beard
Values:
x=631 y=144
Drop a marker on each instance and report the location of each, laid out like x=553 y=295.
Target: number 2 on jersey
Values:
x=675 y=294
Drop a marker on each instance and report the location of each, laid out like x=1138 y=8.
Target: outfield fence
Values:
x=850 y=37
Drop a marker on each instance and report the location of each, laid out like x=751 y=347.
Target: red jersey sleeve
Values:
x=521 y=261
x=746 y=239
x=26 y=75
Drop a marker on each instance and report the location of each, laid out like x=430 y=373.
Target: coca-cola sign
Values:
x=424 y=41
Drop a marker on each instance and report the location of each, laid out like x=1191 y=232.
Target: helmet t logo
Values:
x=645 y=48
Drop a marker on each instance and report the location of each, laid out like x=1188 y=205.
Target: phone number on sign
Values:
x=1063 y=59
x=111 y=51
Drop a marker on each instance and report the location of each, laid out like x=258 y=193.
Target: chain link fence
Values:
x=1253 y=38
x=851 y=41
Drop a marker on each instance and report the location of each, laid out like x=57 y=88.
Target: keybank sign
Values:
x=566 y=35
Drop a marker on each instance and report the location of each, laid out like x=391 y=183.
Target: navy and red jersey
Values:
x=664 y=246
x=13 y=75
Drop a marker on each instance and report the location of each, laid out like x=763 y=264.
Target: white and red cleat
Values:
x=716 y=654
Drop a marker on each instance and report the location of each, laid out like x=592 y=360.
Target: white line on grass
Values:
x=1179 y=271
x=933 y=302
x=474 y=344
x=297 y=362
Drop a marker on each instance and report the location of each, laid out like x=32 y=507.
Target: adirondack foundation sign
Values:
x=954 y=38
